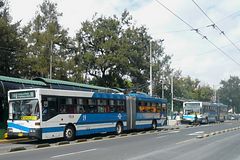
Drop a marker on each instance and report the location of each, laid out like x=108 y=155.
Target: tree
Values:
x=11 y=43
x=229 y=92
x=46 y=38
x=113 y=51
x=186 y=88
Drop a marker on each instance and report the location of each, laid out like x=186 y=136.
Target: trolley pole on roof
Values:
x=151 y=87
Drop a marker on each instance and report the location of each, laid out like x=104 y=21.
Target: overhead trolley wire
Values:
x=234 y=14
x=214 y=25
x=198 y=32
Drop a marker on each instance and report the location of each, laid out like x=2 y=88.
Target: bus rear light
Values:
x=37 y=123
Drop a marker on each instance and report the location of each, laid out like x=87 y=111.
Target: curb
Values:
x=97 y=138
x=12 y=140
x=122 y=135
x=43 y=145
x=134 y=133
x=17 y=149
x=200 y=136
x=80 y=140
x=63 y=143
x=206 y=135
x=111 y=136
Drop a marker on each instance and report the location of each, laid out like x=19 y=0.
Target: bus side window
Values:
x=62 y=109
x=112 y=106
x=50 y=107
x=80 y=107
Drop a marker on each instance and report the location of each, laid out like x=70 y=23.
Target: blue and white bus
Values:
x=52 y=113
x=204 y=112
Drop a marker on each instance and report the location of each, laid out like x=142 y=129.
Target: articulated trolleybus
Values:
x=204 y=112
x=52 y=113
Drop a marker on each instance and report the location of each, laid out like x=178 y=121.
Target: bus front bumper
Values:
x=33 y=133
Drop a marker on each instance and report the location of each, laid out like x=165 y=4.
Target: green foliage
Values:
x=186 y=88
x=46 y=37
x=113 y=50
x=107 y=51
x=229 y=92
x=11 y=43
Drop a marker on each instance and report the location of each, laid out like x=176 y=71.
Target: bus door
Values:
x=131 y=112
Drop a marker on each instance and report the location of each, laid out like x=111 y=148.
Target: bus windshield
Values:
x=191 y=108
x=24 y=110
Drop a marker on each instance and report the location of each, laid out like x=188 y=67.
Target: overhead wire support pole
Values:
x=51 y=60
x=172 y=94
x=151 y=84
x=162 y=88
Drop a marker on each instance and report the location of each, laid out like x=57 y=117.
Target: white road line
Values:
x=161 y=137
x=196 y=133
x=174 y=132
x=62 y=155
x=185 y=141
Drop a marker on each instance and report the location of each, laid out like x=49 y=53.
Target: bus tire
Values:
x=69 y=133
x=119 y=128
x=154 y=124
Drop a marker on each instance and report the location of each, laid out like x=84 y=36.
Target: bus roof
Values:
x=74 y=84
x=109 y=96
x=22 y=81
x=146 y=97
x=74 y=93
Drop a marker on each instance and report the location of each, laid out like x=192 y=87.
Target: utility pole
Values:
x=151 y=85
x=51 y=60
x=172 y=94
x=162 y=88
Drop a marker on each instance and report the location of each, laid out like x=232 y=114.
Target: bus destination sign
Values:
x=24 y=94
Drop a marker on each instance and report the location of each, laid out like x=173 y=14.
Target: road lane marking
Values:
x=58 y=146
x=68 y=154
x=185 y=141
x=174 y=132
x=196 y=133
x=161 y=137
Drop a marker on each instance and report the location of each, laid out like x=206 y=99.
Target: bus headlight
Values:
x=9 y=130
x=33 y=130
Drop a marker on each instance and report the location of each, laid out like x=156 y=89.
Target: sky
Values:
x=191 y=53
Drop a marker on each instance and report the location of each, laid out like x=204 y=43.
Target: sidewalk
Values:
x=173 y=122
x=4 y=141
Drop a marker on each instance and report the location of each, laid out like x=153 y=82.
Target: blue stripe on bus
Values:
x=109 y=96
x=17 y=126
x=96 y=130
x=189 y=116
x=143 y=126
x=53 y=129
x=101 y=118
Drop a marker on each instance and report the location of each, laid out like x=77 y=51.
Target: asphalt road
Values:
x=164 y=145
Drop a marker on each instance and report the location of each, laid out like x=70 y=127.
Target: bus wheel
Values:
x=119 y=128
x=69 y=133
x=154 y=124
